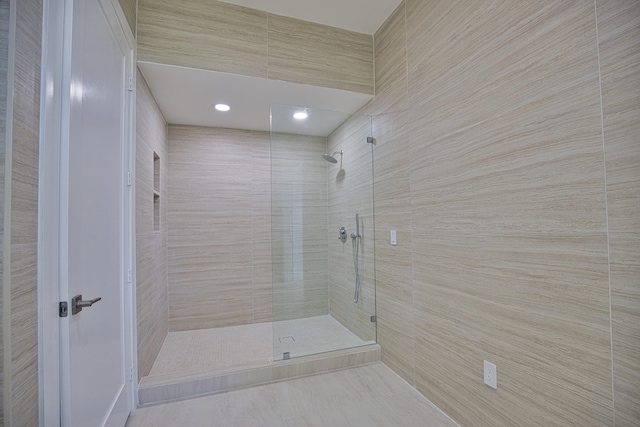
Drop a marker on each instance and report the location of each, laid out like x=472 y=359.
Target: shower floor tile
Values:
x=229 y=349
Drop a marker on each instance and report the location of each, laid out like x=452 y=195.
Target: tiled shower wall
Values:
x=299 y=226
x=350 y=192
x=222 y=184
x=507 y=158
x=151 y=245
x=219 y=249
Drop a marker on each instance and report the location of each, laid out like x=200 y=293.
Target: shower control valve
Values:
x=343 y=234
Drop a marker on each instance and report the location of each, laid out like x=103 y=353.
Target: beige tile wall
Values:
x=4 y=60
x=219 y=36
x=619 y=37
x=299 y=226
x=129 y=7
x=218 y=250
x=20 y=331
x=151 y=246
x=350 y=191
x=310 y=53
x=490 y=163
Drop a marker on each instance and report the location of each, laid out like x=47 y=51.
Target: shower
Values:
x=311 y=207
x=331 y=158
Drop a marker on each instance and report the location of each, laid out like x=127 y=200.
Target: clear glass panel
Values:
x=321 y=180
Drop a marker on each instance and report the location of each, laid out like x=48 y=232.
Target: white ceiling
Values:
x=187 y=96
x=362 y=16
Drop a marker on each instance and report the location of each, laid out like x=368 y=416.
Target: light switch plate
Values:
x=393 y=237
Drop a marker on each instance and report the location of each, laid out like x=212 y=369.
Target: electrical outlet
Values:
x=490 y=374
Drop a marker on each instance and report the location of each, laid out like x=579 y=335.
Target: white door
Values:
x=95 y=218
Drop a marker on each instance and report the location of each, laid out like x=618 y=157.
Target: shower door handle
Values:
x=77 y=303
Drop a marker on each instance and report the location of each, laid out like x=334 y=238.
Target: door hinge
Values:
x=130 y=373
x=129 y=279
x=63 y=309
x=130 y=84
x=129 y=179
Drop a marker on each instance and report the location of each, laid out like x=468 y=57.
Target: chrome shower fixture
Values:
x=331 y=158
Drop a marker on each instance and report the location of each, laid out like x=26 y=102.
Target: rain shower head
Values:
x=331 y=158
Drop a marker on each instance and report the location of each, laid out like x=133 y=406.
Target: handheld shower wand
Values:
x=355 y=245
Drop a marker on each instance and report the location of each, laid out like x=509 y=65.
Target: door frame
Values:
x=53 y=170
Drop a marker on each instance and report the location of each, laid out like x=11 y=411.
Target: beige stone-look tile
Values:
x=619 y=37
x=350 y=192
x=391 y=64
x=625 y=317
x=151 y=247
x=508 y=211
x=4 y=60
x=237 y=357
x=219 y=228
x=298 y=226
x=367 y=395
x=619 y=42
x=319 y=55
x=20 y=213
x=394 y=269
x=535 y=305
x=209 y=35
x=129 y=7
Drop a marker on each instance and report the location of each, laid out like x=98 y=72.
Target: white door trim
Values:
x=54 y=136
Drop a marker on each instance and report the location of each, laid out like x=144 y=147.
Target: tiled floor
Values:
x=211 y=351
x=369 y=395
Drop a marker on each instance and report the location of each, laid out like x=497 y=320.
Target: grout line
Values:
x=606 y=206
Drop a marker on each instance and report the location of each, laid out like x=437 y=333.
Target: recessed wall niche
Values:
x=156 y=192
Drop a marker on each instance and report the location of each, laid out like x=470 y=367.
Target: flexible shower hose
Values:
x=355 y=244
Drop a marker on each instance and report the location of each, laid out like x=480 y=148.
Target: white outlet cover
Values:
x=490 y=374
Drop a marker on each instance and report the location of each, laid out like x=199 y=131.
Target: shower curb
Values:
x=281 y=370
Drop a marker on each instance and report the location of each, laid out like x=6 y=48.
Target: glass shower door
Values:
x=321 y=179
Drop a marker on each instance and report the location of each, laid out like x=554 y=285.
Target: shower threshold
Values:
x=195 y=363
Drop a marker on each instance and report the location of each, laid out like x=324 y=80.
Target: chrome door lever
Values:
x=77 y=303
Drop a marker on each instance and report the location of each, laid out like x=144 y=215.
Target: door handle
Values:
x=77 y=303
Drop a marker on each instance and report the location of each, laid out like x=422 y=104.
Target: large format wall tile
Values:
x=210 y=228
x=299 y=224
x=394 y=268
x=625 y=317
x=20 y=239
x=210 y=35
x=390 y=52
x=129 y=7
x=619 y=37
x=508 y=212
x=315 y=54
x=510 y=256
x=350 y=192
x=151 y=246
x=261 y=226
x=219 y=36
x=4 y=62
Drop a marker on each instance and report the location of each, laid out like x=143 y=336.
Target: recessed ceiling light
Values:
x=300 y=115
x=222 y=107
